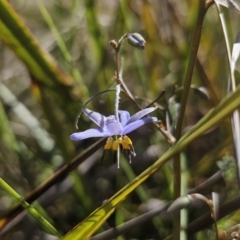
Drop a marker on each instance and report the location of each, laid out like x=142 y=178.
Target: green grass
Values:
x=54 y=56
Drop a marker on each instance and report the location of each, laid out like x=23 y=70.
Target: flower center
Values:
x=122 y=142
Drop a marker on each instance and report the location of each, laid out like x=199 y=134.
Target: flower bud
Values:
x=136 y=40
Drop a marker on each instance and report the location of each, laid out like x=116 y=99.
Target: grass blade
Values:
x=32 y=211
x=17 y=36
x=98 y=217
x=63 y=48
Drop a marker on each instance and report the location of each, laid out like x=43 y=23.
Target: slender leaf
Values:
x=32 y=211
x=37 y=131
x=235 y=117
x=232 y=4
x=63 y=48
x=17 y=36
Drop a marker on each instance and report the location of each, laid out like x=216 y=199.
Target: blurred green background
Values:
x=37 y=117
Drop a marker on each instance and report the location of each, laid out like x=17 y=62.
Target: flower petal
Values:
x=93 y=132
x=123 y=116
x=136 y=124
x=96 y=117
x=114 y=127
x=141 y=114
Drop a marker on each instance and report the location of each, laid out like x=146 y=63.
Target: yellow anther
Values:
x=109 y=143
x=127 y=140
x=130 y=146
x=125 y=144
x=115 y=145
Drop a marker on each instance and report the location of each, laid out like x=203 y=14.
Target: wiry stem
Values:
x=118 y=75
x=118 y=90
x=117 y=66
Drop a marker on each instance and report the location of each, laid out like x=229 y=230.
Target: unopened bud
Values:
x=136 y=40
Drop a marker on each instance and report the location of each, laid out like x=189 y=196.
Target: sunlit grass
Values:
x=65 y=52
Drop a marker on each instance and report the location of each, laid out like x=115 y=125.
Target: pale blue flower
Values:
x=115 y=128
x=110 y=126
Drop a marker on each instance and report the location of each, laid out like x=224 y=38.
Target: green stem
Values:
x=184 y=212
x=191 y=64
x=186 y=87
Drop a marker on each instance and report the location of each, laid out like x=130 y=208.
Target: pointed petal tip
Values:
x=73 y=137
x=137 y=124
x=141 y=114
x=154 y=119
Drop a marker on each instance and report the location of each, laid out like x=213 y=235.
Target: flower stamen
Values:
x=123 y=143
x=129 y=142
x=109 y=143
x=107 y=146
